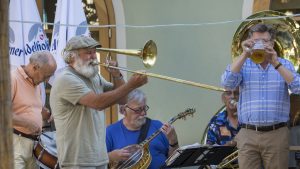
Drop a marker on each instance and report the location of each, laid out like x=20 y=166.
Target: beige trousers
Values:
x=268 y=148
x=23 y=157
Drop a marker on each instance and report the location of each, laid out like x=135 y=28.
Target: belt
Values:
x=32 y=137
x=264 y=128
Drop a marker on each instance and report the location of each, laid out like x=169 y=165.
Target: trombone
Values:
x=148 y=55
x=227 y=161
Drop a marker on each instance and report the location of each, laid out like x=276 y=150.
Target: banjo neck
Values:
x=171 y=121
x=156 y=133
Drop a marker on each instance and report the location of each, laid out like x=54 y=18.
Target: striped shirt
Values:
x=264 y=96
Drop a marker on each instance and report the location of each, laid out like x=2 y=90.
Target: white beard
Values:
x=86 y=69
x=140 y=121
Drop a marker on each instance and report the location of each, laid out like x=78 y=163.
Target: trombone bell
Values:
x=147 y=54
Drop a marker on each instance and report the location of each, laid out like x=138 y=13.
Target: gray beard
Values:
x=86 y=69
x=140 y=122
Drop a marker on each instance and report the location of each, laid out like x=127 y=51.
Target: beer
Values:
x=258 y=56
x=258 y=52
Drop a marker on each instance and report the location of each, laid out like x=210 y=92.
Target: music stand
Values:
x=200 y=156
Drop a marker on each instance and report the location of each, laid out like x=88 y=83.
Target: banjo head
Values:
x=136 y=155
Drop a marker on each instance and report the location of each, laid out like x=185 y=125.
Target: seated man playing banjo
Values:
x=134 y=128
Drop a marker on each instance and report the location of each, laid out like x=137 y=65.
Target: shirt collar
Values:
x=24 y=75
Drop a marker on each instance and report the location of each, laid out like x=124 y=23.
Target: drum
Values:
x=45 y=151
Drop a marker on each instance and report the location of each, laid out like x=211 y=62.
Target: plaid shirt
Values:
x=220 y=130
x=264 y=97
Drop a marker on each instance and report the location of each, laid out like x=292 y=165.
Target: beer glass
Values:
x=258 y=52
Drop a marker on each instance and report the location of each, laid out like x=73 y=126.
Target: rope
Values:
x=160 y=26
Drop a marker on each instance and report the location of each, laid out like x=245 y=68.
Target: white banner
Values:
x=68 y=12
x=25 y=38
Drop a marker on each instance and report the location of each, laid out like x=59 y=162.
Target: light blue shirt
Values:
x=264 y=97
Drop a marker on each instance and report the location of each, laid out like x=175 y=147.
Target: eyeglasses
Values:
x=235 y=93
x=140 y=109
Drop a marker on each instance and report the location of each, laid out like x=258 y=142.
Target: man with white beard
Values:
x=78 y=97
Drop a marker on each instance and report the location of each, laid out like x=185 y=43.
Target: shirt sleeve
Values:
x=230 y=79
x=294 y=86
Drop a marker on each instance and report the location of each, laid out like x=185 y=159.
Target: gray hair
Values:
x=41 y=58
x=262 y=28
x=136 y=95
x=67 y=55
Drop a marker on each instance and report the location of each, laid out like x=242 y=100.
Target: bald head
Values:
x=41 y=67
x=43 y=58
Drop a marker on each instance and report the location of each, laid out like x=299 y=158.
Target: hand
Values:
x=247 y=46
x=137 y=80
x=46 y=114
x=51 y=118
x=114 y=72
x=170 y=133
x=119 y=155
x=271 y=54
x=230 y=143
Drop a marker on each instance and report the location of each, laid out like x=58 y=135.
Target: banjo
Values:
x=140 y=155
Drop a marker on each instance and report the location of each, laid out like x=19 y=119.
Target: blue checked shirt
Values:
x=264 y=97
